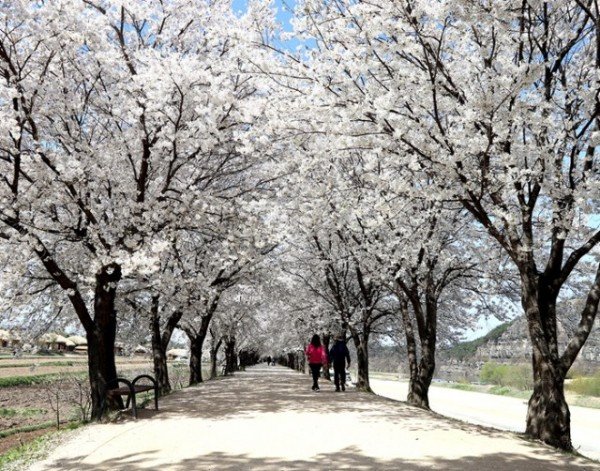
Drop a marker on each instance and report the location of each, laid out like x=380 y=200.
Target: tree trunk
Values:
x=362 y=360
x=418 y=388
x=415 y=392
x=159 y=352
x=214 y=350
x=230 y=356
x=101 y=341
x=196 y=343
x=424 y=306
x=548 y=415
x=301 y=362
x=421 y=371
x=326 y=341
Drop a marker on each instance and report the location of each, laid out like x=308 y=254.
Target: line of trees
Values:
x=432 y=137
x=170 y=164
x=126 y=150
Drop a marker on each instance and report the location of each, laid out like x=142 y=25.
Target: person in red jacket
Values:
x=316 y=356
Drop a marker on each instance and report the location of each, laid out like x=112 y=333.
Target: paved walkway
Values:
x=501 y=412
x=268 y=419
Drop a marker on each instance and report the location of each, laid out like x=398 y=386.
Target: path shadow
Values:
x=350 y=458
x=262 y=390
x=265 y=390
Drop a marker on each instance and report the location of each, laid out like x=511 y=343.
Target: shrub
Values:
x=463 y=387
x=501 y=390
x=513 y=376
x=586 y=386
x=6 y=412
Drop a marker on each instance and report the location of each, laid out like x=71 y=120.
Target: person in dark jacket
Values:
x=338 y=355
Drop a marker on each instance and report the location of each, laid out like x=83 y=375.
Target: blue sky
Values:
x=284 y=10
x=284 y=15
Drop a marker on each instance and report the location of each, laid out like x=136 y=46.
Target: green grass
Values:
x=29 y=412
x=487 y=389
x=25 y=380
x=32 y=449
x=24 y=453
x=48 y=363
x=463 y=386
x=43 y=425
x=382 y=375
x=27 y=428
x=583 y=400
x=12 y=381
x=508 y=391
x=32 y=380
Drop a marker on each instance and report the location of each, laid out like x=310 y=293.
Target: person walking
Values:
x=316 y=356
x=338 y=355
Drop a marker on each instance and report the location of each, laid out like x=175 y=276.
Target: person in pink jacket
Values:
x=316 y=356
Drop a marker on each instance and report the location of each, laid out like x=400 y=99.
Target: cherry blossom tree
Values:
x=210 y=265
x=115 y=119
x=498 y=102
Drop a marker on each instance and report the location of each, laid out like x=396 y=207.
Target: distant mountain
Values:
x=466 y=350
x=509 y=343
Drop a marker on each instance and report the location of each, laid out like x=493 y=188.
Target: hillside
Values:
x=465 y=350
x=509 y=342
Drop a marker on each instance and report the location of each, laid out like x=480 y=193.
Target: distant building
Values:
x=54 y=342
x=140 y=350
x=177 y=353
x=9 y=339
x=4 y=338
x=78 y=344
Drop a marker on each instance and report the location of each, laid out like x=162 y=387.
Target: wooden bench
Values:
x=131 y=388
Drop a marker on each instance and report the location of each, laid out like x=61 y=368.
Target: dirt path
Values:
x=268 y=419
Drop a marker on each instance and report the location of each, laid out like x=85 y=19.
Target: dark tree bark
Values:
x=421 y=367
x=548 y=415
x=197 y=337
x=215 y=345
x=196 y=343
x=412 y=357
x=100 y=330
x=101 y=340
x=361 y=343
x=326 y=342
x=160 y=343
x=159 y=354
x=300 y=361
x=291 y=361
x=230 y=356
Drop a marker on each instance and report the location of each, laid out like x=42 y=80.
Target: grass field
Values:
x=580 y=391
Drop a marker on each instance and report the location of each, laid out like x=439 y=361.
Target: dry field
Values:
x=59 y=380
x=59 y=364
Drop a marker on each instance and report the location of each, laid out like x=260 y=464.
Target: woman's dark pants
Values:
x=315 y=369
